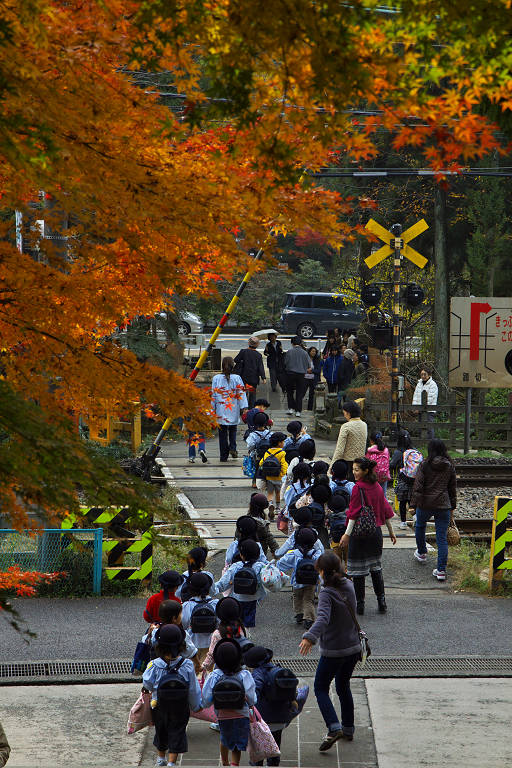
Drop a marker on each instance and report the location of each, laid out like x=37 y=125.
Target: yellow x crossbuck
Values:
x=386 y=249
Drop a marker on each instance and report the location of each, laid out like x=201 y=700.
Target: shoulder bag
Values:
x=363 y=637
x=365 y=524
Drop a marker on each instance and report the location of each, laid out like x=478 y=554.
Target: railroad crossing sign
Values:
x=386 y=250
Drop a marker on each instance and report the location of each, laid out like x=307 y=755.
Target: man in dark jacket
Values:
x=345 y=374
x=297 y=362
x=249 y=365
x=274 y=353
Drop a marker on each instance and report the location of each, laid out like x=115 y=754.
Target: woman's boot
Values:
x=378 y=586
x=359 y=590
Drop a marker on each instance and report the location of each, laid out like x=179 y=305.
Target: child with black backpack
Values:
x=246 y=528
x=339 y=472
x=199 y=616
x=230 y=626
x=257 y=440
x=196 y=561
x=232 y=691
x=298 y=433
x=170 y=612
x=175 y=691
x=244 y=577
x=271 y=470
x=302 y=518
x=337 y=520
x=320 y=496
x=301 y=561
x=276 y=689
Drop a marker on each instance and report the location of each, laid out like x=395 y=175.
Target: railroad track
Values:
x=484 y=475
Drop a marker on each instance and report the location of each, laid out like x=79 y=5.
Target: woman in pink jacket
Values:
x=365 y=552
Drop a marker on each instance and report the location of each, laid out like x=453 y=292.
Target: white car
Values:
x=189 y=323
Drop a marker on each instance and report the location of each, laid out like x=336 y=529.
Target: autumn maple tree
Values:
x=149 y=196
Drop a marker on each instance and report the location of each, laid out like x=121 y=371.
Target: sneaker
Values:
x=308 y=623
x=440 y=575
x=233 y=454
x=298 y=413
x=420 y=558
x=329 y=739
x=214 y=727
x=161 y=761
x=299 y=618
x=290 y=412
x=203 y=456
x=403 y=526
x=190 y=461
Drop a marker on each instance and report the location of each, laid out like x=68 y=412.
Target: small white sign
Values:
x=481 y=342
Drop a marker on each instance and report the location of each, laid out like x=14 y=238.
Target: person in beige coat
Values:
x=352 y=437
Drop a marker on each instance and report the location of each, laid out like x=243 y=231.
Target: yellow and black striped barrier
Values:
x=119 y=541
x=501 y=537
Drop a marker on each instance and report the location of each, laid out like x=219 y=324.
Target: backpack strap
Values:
x=177 y=666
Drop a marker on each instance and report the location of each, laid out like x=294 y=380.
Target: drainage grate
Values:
x=377 y=666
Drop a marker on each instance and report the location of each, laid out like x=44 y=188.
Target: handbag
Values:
x=248 y=466
x=140 y=714
x=366 y=651
x=452 y=534
x=208 y=713
x=271 y=577
x=261 y=742
x=142 y=655
x=365 y=524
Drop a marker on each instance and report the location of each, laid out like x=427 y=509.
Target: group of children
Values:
x=205 y=636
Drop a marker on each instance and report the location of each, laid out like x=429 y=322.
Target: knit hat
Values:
x=305 y=538
x=257 y=655
x=276 y=438
x=260 y=419
x=228 y=609
x=302 y=516
x=200 y=582
x=321 y=493
x=169 y=637
x=249 y=549
x=294 y=427
x=227 y=655
x=171 y=579
x=246 y=527
x=349 y=354
x=259 y=500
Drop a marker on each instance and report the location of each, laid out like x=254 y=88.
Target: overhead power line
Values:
x=334 y=173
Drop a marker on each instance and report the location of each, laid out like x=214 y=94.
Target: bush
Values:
x=77 y=581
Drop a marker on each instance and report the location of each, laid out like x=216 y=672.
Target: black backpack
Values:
x=186 y=592
x=262 y=447
x=271 y=466
x=337 y=525
x=318 y=514
x=245 y=581
x=282 y=685
x=173 y=688
x=292 y=452
x=306 y=573
x=228 y=693
x=345 y=495
x=203 y=619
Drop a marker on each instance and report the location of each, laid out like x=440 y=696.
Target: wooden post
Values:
x=467 y=421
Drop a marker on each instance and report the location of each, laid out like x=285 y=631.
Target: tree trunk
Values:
x=442 y=298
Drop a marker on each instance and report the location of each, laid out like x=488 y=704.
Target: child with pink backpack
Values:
x=379 y=452
x=407 y=460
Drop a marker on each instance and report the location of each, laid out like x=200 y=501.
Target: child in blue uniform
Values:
x=250 y=592
x=303 y=593
x=171 y=703
x=200 y=584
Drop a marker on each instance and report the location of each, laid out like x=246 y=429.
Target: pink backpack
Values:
x=382 y=459
x=412 y=459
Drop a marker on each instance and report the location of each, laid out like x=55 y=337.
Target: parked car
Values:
x=312 y=314
x=189 y=323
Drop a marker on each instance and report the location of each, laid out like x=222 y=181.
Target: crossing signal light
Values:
x=371 y=295
x=414 y=295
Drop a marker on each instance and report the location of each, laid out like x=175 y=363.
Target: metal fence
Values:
x=44 y=551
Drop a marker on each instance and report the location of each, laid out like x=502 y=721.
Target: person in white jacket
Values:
x=228 y=402
x=426 y=384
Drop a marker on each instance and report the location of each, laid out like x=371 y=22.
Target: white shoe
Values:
x=190 y=461
x=403 y=526
x=298 y=413
x=214 y=727
x=290 y=412
x=440 y=575
x=420 y=558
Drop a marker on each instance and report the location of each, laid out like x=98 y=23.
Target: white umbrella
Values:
x=265 y=332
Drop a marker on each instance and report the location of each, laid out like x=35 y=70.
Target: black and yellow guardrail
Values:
x=500 y=538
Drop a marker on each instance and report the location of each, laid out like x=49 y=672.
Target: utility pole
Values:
x=397 y=245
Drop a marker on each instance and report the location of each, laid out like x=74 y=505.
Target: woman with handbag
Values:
x=337 y=631
x=368 y=511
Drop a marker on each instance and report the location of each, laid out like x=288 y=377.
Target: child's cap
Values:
x=227 y=655
x=257 y=655
x=260 y=419
x=305 y=538
x=259 y=500
x=320 y=468
x=249 y=549
x=246 y=526
x=339 y=469
x=337 y=502
x=228 y=609
x=303 y=516
x=171 y=579
x=169 y=637
x=321 y=493
x=276 y=438
x=294 y=427
x=200 y=582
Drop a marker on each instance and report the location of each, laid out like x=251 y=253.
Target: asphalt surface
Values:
x=419 y=622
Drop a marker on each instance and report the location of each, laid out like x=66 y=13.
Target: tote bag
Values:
x=262 y=744
x=140 y=714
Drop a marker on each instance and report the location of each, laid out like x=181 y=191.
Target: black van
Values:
x=313 y=314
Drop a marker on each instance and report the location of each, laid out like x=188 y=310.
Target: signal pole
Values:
x=396 y=244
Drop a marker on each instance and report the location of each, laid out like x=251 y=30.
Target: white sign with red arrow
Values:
x=481 y=342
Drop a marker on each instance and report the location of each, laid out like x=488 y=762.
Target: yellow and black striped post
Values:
x=397 y=244
x=501 y=536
